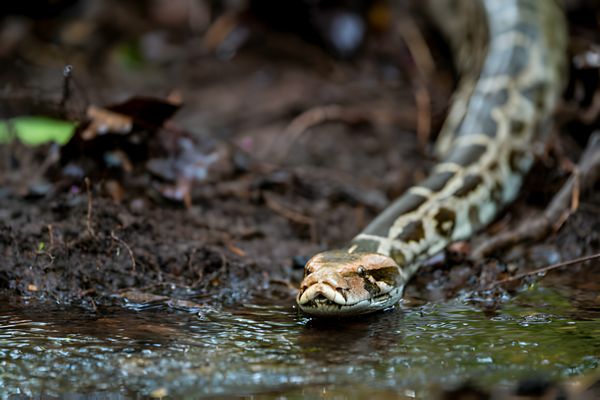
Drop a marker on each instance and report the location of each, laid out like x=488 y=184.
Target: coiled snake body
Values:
x=511 y=56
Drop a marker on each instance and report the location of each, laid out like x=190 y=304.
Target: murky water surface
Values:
x=272 y=351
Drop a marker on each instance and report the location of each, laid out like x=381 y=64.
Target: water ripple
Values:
x=272 y=349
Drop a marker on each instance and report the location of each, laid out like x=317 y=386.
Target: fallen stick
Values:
x=545 y=269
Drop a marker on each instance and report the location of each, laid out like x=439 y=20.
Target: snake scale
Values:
x=511 y=55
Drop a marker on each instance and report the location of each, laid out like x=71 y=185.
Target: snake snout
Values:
x=339 y=283
x=330 y=278
x=322 y=292
x=324 y=285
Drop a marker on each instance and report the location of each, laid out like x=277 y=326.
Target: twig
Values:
x=286 y=212
x=417 y=47
x=575 y=194
x=425 y=66
x=115 y=237
x=284 y=283
x=66 y=89
x=234 y=249
x=564 y=203
x=292 y=215
x=47 y=254
x=313 y=117
x=90 y=229
x=94 y=307
x=545 y=269
x=219 y=30
x=423 y=103
x=50 y=236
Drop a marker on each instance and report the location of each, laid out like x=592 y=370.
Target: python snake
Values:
x=511 y=55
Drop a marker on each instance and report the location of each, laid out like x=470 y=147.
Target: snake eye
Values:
x=361 y=271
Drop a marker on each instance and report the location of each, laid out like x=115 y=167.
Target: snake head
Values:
x=338 y=283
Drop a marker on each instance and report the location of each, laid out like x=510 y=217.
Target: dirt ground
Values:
x=293 y=151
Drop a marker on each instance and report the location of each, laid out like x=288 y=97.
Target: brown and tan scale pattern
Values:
x=502 y=107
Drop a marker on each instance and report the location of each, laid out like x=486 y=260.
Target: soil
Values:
x=275 y=195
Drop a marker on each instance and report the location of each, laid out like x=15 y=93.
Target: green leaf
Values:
x=33 y=130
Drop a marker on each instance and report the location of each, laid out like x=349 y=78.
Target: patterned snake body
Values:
x=502 y=106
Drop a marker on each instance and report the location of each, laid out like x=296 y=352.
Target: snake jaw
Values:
x=339 y=283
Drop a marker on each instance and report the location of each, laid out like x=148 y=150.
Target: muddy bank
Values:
x=281 y=188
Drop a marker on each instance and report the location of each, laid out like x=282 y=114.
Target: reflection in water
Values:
x=273 y=351
x=351 y=341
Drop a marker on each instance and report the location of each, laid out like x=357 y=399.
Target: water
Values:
x=272 y=351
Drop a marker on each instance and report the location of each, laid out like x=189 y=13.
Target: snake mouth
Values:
x=323 y=293
x=337 y=283
x=323 y=300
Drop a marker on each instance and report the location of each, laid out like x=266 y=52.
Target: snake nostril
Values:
x=361 y=271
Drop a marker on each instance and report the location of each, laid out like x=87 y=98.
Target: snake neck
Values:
x=488 y=137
